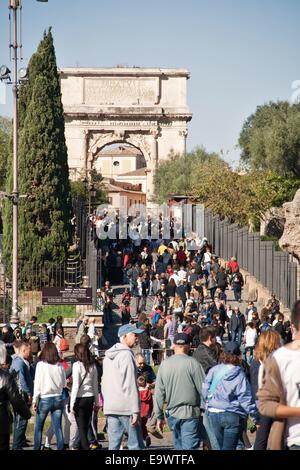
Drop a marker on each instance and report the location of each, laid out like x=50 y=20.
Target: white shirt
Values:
x=250 y=337
x=182 y=274
x=89 y=382
x=49 y=380
x=207 y=257
x=288 y=361
x=176 y=278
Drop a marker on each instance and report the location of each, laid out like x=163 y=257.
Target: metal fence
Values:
x=32 y=278
x=275 y=270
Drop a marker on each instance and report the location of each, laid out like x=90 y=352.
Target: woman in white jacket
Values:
x=49 y=382
x=84 y=395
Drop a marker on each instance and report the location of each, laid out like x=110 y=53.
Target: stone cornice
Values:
x=122 y=72
x=142 y=114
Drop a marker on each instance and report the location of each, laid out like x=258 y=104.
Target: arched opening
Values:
x=124 y=169
x=117 y=159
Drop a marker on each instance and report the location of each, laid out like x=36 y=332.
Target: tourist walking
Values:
x=49 y=382
x=228 y=398
x=9 y=395
x=120 y=391
x=267 y=343
x=84 y=394
x=179 y=383
x=20 y=367
x=279 y=396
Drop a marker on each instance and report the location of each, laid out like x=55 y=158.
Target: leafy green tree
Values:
x=270 y=139
x=44 y=219
x=80 y=189
x=5 y=134
x=240 y=197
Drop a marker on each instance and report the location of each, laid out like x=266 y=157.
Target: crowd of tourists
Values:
x=185 y=356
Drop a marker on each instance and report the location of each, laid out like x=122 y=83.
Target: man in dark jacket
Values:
x=9 y=394
x=205 y=354
x=20 y=370
x=237 y=325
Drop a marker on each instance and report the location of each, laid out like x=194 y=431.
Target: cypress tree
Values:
x=44 y=219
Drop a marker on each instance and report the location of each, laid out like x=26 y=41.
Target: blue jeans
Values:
x=227 y=429
x=53 y=405
x=186 y=433
x=237 y=336
x=19 y=433
x=116 y=426
x=210 y=432
x=147 y=354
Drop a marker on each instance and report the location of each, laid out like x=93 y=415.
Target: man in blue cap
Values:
x=120 y=391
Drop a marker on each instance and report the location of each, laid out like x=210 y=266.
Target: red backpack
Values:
x=64 y=345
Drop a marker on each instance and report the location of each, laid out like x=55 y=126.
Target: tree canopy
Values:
x=5 y=134
x=44 y=219
x=206 y=178
x=270 y=139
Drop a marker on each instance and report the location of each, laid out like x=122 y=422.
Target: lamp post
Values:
x=92 y=194
x=14 y=6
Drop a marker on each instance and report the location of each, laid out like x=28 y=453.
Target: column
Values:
x=154 y=152
x=85 y=148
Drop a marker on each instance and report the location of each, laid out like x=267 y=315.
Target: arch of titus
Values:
x=143 y=107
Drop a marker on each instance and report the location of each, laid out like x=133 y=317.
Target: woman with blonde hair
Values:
x=267 y=343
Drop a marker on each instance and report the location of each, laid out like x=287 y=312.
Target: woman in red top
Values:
x=146 y=406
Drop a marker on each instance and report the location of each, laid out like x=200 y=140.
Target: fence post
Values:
x=250 y=253
x=276 y=279
x=240 y=237
x=256 y=243
x=263 y=263
x=217 y=235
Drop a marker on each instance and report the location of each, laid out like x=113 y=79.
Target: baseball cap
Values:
x=181 y=338
x=126 y=329
x=232 y=348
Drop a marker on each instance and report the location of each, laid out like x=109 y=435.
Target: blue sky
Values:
x=240 y=53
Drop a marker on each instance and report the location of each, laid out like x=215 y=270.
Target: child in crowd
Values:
x=125 y=312
x=250 y=338
x=146 y=406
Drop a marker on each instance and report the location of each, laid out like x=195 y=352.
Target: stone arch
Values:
x=103 y=140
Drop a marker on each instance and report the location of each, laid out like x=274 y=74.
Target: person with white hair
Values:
x=9 y=395
x=120 y=392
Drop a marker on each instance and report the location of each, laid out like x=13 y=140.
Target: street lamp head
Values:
x=4 y=72
x=23 y=74
x=93 y=191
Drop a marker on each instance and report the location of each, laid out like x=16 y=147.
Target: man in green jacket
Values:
x=179 y=384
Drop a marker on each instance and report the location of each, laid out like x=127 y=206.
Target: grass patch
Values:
x=52 y=311
x=266 y=238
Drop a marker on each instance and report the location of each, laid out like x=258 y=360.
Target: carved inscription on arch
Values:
x=121 y=91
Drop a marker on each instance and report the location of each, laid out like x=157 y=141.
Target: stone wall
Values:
x=290 y=240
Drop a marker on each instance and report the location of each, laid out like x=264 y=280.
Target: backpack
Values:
x=64 y=345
